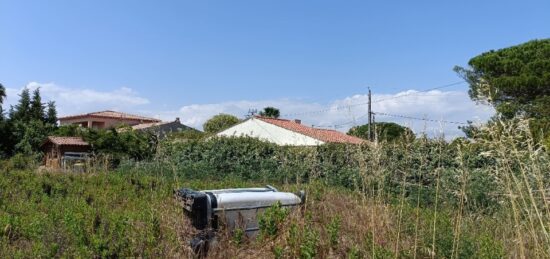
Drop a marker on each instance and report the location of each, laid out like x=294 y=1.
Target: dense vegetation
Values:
x=115 y=144
x=27 y=124
x=425 y=198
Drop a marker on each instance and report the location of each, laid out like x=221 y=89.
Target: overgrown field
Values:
x=413 y=199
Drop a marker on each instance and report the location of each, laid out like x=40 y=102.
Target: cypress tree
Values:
x=51 y=114
x=21 y=112
x=36 y=107
x=2 y=93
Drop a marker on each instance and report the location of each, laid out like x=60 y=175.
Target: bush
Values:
x=20 y=161
x=270 y=220
x=412 y=169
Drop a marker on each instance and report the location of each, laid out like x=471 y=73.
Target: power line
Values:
x=336 y=126
x=422 y=119
x=340 y=107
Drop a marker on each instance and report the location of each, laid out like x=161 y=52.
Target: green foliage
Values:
x=2 y=93
x=238 y=236
x=409 y=169
x=31 y=135
x=354 y=253
x=333 y=230
x=27 y=126
x=270 y=220
x=424 y=198
x=68 y=130
x=516 y=81
x=7 y=142
x=36 y=108
x=116 y=144
x=51 y=113
x=278 y=252
x=489 y=248
x=384 y=131
x=63 y=215
x=220 y=122
x=20 y=161
x=270 y=112
x=21 y=112
x=310 y=241
x=186 y=135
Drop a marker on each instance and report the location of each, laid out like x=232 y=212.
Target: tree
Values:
x=51 y=113
x=515 y=80
x=21 y=112
x=30 y=136
x=36 y=106
x=385 y=131
x=2 y=93
x=220 y=122
x=26 y=127
x=4 y=127
x=270 y=112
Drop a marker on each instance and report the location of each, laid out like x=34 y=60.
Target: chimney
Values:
x=298 y=121
x=177 y=119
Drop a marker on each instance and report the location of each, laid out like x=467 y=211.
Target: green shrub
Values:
x=270 y=220
x=489 y=248
x=333 y=230
x=20 y=161
x=310 y=241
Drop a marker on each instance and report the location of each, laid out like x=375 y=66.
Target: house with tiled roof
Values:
x=287 y=132
x=106 y=119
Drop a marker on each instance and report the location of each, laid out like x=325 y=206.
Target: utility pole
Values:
x=251 y=113
x=370 y=117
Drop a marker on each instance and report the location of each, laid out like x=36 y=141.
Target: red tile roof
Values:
x=112 y=115
x=325 y=135
x=66 y=141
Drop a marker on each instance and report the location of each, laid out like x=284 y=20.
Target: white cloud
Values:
x=77 y=100
x=438 y=105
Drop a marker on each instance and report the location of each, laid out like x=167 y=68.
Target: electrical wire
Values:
x=340 y=107
x=422 y=119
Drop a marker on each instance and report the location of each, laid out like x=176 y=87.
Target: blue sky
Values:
x=193 y=59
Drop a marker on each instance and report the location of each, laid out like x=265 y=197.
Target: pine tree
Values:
x=2 y=93
x=36 y=107
x=11 y=112
x=21 y=112
x=51 y=114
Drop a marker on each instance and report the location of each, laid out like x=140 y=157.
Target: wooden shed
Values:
x=60 y=152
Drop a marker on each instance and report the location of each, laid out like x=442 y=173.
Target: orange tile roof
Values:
x=112 y=115
x=67 y=141
x=325 y=135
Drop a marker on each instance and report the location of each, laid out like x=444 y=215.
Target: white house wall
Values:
x=269 y=132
